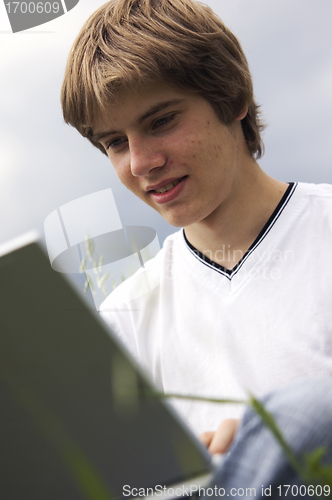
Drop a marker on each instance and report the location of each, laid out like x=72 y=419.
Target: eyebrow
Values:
x=150 y=112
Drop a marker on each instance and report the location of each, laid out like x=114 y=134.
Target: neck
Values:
x=226 y=234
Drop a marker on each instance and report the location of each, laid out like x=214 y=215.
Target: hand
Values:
x=220 y=440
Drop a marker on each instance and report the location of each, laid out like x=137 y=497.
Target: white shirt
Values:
x=200 y=329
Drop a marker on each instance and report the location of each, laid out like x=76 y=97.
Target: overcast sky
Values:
x=45 y=164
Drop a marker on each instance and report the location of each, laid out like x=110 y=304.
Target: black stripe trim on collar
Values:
x=229 y=273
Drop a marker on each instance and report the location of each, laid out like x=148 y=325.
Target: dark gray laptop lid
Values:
x=77 y=420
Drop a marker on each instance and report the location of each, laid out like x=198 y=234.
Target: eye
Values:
x=116 y=143
x=163 y=121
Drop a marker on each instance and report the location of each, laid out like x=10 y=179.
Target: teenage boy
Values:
x=239 y=299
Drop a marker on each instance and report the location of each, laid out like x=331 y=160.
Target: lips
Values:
x=168 y=190
x=167 y=187
x=164 y=186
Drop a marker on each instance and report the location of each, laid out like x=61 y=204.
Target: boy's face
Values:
x=170 y=149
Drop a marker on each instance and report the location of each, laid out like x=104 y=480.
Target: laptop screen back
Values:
x=77 y=418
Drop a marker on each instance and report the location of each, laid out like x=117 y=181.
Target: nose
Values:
x=144 y=157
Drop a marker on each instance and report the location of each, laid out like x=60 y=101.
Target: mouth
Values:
x=166 y=187
x=169 y=191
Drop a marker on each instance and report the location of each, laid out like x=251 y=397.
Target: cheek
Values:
x=128 y=180
x=122 y=170
x=198 y=140
x=188 y=149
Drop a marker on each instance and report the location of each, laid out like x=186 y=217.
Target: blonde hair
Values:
x=181 y=42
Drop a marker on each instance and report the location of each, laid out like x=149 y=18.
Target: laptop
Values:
x=79 y=420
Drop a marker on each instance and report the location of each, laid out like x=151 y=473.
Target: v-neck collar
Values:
x=230 y=273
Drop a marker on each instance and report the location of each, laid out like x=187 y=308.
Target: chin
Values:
x=180 y=221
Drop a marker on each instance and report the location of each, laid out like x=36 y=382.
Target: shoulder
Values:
x=319 y=191
x=316 y=201
x=147 y=279
x=311 y=201
x=309 y=214
x=131 y=310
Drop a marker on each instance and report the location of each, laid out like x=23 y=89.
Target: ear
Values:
x=243 y=114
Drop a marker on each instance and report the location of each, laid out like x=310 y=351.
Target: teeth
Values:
x=167 y=187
